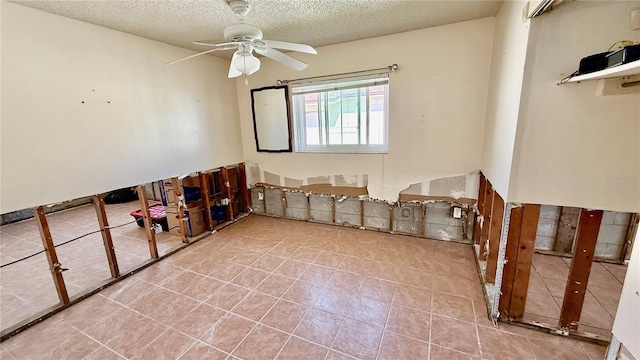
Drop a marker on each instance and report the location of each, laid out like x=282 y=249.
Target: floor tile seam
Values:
x=198 y=341
x=386 y=323
x=100 y=342
x=475 y=322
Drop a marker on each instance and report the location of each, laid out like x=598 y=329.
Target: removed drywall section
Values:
x=297 y=205
x=321 y=208
x=348 y=185
x=348 y=211
x=257 y=200
x=441 y=225
x=408 y=218
x=274 y=201
x=453 y=187
x=547 y=227
x=377 y=215
x=612 y=235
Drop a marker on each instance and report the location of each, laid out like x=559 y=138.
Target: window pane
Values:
x=376 y=115
x=363 y=116
x=311 y=119
x=335 y=123
x=350 y=117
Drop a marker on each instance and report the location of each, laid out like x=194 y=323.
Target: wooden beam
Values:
x=182 y=221
x=52 y=257
x=146 y=218
x=567 y=225
x=631 y=233
x=246 y=197
x=333 y=209
x=486 y=224
x=226 y=191
x=575 y=291
x=101 y=213
x=205 y=194
x=510 y=257
x=526 y=247
x=362 y=213
x=497 y=214
x=481 y=196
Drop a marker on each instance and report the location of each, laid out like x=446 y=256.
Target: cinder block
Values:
x=622 y=218
x=296 y=200
x=256 y=202
x=608 y=251
x=544 y=242
x=408 y=227
x=320 y=208
x=608 y=217
x=444 y=232
x=612 y=234
x=547 y=227
x=550 y=212
x=274 y=202
x=441 y=216
x=348 y=206
x=407 y=212
x=296 y=213
x=376 y=215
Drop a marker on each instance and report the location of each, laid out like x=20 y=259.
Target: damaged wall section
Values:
x=431 y=219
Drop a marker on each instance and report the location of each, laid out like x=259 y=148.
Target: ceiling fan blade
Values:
x=282 y=58
x=303 y=48
x=219 y=43
x=233 y=72
x=192 y=56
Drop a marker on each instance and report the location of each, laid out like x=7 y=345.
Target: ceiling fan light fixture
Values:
x=246 y=63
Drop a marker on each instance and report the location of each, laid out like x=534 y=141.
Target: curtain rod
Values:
x=392 y=67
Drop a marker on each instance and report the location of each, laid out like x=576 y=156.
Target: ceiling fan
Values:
x=245 y=39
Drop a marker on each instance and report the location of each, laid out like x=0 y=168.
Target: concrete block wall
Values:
x=408 y=219
x=320 y=208
x=611 y=237
x=440 y=224
x=547 y=227
x=612 y=234
x=377 y=215
x=428 y=219
x=348 y=212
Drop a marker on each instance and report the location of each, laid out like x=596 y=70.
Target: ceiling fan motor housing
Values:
x=242 y=31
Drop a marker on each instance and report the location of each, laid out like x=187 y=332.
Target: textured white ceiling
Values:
x=314 y=22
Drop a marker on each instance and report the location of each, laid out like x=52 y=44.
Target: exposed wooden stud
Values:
x=246 y=197
x=98 y=203
x=391 y=218
x=631 y=233
x=525 y=250
x=362 y=214
x=205 y=194
x=182 y=221
x=567 y=225
x=52 y=257
x=481 y=197
x=146 y=218
x=511 y=255
x=308 y=206
x=423 y=221
x=333 y=209
x=497 y=214
x=486 y=224
x=226 y=191
x=284 y=203
x=585 y=246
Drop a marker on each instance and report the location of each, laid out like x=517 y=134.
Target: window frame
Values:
x=299 y=121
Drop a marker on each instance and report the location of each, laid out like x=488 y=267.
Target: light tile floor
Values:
x=27 y=288
x=268 y=288
x=547 y=283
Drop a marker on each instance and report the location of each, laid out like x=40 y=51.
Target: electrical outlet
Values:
x=260 y=195
x=456 y=212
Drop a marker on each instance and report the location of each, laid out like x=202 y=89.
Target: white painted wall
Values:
x=436 y=114
x=574 y=148
x=626 y=326
x=161 y=121
x=510 y=41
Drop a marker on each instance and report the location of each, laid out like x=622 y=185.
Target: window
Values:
x=348 y=115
